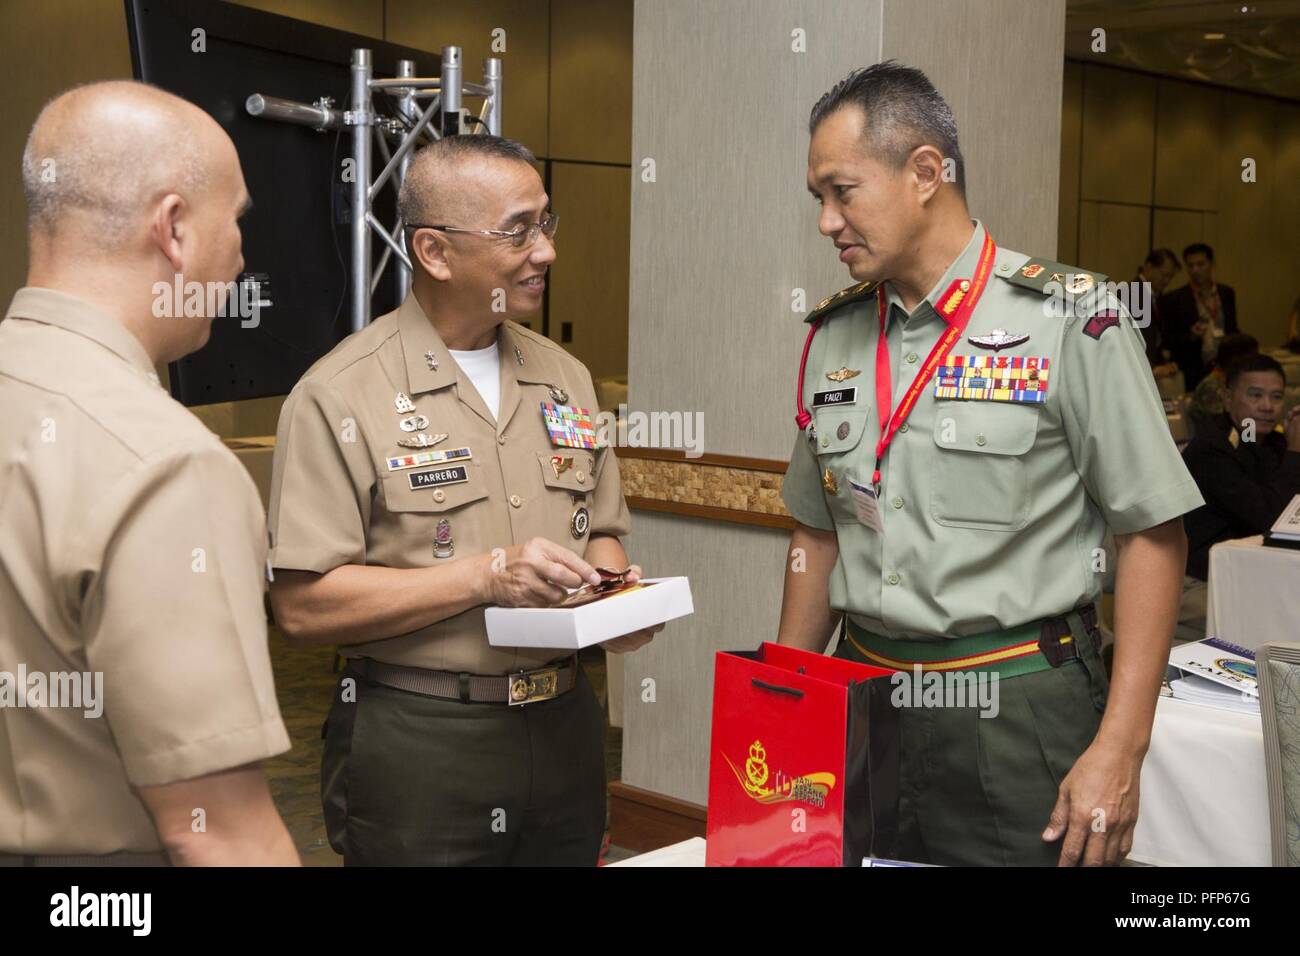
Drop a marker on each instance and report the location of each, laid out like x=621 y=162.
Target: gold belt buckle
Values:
x=525 y=688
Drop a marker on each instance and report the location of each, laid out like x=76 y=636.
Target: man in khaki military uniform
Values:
x=416 y=481
x=134 y=552
x=964 y=538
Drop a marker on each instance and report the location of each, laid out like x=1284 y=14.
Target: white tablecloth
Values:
x=1254 y=593
x=1203 y=799
x=687 y=853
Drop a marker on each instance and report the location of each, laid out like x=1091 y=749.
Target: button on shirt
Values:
x=134 y=547
x=335 y=499
x=993 y=511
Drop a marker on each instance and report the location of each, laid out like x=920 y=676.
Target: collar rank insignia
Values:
x=999 y=339
x=829 y=484
x=421 y=441
x=843 y=373
x=569 y=427
x=431 y=360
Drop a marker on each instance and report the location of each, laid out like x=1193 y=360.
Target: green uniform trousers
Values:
x=411 y=780
x=978 y=791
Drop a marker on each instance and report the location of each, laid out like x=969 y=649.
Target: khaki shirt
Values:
x=335 y=501
x=134 y=546
x=993 y=511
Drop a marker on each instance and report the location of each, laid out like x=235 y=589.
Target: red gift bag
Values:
x=795 y=777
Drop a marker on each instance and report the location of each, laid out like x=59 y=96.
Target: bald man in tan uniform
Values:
x=415 y=482
x=135 y=685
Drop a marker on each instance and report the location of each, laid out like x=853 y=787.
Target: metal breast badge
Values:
x=421 y=440
x=443 y=546
x=999 y=339
x=414 y=423
x=403 y=404
x=842 y=374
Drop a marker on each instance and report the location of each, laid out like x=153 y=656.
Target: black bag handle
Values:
x=776 y=688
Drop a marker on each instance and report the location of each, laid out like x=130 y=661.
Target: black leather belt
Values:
x=523 y=687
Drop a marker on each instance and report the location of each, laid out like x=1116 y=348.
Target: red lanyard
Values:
x=891 y=420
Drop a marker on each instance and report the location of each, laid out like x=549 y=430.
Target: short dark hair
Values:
x=412 y=199
x=901 y=110
x=1235 y=346
x=1158 y=257
x=1198 y=247
x=1258 y=362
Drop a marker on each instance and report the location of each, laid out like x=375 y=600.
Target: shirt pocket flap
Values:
x=400 y=496
x=840 y=429
x=569 y=469
x=991 y=428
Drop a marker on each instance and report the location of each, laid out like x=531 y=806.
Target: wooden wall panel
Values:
x=1188 y=127
x=1118 y=135
x=591 y=80
x=589 y=280
x=365 y=17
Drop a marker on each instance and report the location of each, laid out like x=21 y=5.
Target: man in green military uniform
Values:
x=964 y=537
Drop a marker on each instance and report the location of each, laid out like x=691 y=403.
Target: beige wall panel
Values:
x=727 y=230
x=735 y=574
x=365 y=17
x=1067 y=229
x=1000 y=71
x=1189 y=132
x=1251 y=245
x=47 y=46
x=524 y=63
x=588 y=282
x=1118 y=135
x=1112 y=238
x=591 y=80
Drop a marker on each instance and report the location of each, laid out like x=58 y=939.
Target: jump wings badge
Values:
x=999 y=339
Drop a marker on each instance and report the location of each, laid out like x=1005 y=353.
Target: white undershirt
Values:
x=483 y=366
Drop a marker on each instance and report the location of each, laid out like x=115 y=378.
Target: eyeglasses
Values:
x=524 y=234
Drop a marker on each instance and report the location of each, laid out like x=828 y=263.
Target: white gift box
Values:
x=662 y=599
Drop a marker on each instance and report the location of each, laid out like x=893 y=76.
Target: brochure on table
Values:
x=1220 y=661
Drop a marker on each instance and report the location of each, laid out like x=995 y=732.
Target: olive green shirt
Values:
x=993 y=511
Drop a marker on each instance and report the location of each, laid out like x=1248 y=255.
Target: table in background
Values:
x=1254 y=593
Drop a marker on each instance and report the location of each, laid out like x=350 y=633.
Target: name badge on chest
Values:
x=439 y=476
x=835 y=396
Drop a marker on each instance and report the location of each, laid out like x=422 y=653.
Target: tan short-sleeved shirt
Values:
x=133 y=552
x=336 y=498
x=994 y=500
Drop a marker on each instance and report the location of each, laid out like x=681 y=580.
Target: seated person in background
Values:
x=1158 y=269
x=1293 y=327
x=1248 y=467
x=1197 y=316
x=1207 y=398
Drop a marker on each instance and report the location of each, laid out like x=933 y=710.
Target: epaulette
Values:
x=1038 y=274
x=853 y=293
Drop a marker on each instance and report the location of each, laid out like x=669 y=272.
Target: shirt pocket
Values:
x=400 y=497
x=840 y=446
x=578 y=478
x=981 y=480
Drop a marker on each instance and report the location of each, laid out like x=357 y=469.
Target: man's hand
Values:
x=536 y=574
x=636 y=639
x=1199 y=328
x=1097 y=807
x=1292 y=429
